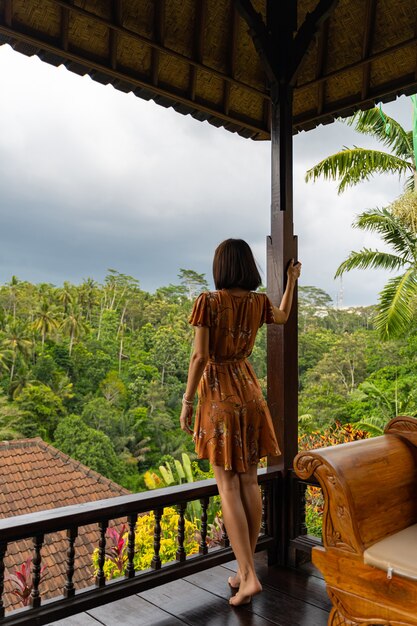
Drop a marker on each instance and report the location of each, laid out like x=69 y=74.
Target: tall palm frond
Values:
x=395 y=309
x=354 y=165
x=393 y=230
x=367 y=258
x=385 y=129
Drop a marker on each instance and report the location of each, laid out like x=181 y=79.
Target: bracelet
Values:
x=186 y=401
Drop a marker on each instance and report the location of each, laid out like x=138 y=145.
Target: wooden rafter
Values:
x=159 y=34
x=157 y=46
x=64 y=28
x=283 y=60
x=369 y=30
x=200 y=19
x=348 y=106
x=232 y=58
x=8 y=12
x=412 y=41
x=321 y=64
x=260 y=36
x=113 y=40
x=306 y=34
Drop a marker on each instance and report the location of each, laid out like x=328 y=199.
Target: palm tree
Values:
x=73 y=325
x=23 y=378
x=6 y=355
x=13 y=292
x=45 y=321
x=65 y=296
x=396 y=305
x=351 y=166
x=16 y=342
x=87 y=297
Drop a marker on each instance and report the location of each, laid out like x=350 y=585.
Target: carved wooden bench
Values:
x=369 y=553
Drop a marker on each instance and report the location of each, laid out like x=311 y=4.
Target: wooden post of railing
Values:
x=181 y=556
x=101 y=577
x=130 y=569
x=264 y=523
x=224 y=541
x=203 y=540
x=3 y=549
x=69 y=590
x=156 y=560
x=35 y=596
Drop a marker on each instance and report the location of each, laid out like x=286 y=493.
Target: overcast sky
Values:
x=92 y=178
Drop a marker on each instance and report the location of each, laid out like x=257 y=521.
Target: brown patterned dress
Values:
x=233 y=426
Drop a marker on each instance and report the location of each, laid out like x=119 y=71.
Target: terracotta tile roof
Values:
x=35 y=476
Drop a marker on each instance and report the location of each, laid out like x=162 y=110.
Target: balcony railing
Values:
x=100 y=513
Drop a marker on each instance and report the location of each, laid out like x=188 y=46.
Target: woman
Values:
x=233 y=426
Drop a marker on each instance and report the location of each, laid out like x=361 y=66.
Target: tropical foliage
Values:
x=395 y=224
x=351 y=166
x=116 y=555
x=111 y=398
x=21 y=580
x=395 y=308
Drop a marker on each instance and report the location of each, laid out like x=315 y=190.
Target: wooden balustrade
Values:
x=301 y=542
x=69 y=589
x=101 y=513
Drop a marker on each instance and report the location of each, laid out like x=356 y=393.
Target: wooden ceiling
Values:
x=198 y=57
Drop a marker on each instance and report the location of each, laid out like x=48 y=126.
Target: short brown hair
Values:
x=234 y=266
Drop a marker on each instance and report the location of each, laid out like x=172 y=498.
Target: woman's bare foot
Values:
x=248 y=588
x=234 y=581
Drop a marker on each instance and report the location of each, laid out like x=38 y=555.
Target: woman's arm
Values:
x=198 y=361
x=281 y=313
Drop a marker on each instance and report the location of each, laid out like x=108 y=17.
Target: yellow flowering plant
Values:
x=116 y=562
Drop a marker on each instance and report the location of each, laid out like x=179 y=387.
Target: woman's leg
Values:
x=238 y=530
x=252 y=503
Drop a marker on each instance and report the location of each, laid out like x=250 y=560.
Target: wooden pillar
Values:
x=282 y=45
x=282 y=343
x=281 y=248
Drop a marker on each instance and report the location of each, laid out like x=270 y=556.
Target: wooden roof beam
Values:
x=306 y=34
x=157 y=46
x=200 y=19
x=321 y=64
x=8 y=12
x=368 y=37
x=232 y=58
x=64 y=28
x=353 y=66
x=159 y=34
x=281 y=55
x=113 y=35
x=260 y=36
x=348 y=106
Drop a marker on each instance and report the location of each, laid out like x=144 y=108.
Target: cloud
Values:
x=93 y=178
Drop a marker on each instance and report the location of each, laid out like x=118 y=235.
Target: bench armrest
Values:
x=369 y=489
x=339 y=527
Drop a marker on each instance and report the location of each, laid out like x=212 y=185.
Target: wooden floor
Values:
x=289 y=598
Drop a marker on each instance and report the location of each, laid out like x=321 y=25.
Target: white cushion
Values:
x=396 y=554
